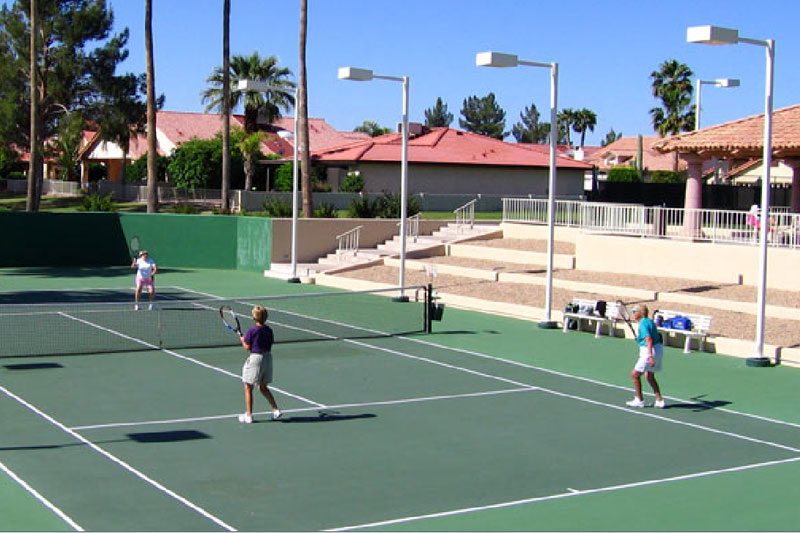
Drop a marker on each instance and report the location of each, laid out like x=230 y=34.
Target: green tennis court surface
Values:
x=486 y=424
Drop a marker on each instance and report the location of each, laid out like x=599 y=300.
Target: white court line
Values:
x=307 y=409
x=570 y=494
x=184 y=357
x=47 y=503
x=118 y=461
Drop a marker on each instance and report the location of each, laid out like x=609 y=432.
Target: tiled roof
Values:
x=321 y=134
x=742 y=138
x=446 y=145
x=624 y=151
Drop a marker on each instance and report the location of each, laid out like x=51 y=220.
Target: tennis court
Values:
x=115 y=419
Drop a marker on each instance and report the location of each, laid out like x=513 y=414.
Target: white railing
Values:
x=347 y=242
x=465 y=215
x=412 y=227
x=567 y=212
x=714 y=225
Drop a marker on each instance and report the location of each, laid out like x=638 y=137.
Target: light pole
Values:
x=720 y=82
x=362 y=74
x=260 y=86
x=497 y=59
x=717 y=35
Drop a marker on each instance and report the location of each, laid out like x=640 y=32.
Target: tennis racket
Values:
x=622 y=310
x=135 y=247
x=230 y=319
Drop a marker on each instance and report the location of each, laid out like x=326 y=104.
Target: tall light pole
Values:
x=716 y=35
x=362 y=74
x=497 y=59
x=262 y=87
x=720 y=82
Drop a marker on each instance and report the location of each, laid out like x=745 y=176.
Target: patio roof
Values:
x=742 y=138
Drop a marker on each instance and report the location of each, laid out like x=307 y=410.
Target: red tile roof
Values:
x=446 y=145
x=743 y=137
x=624 y=151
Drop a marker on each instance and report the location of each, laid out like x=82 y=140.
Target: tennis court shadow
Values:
x=467 y=332
x=698 y=405
x=324 y=417
x=82 y=272
x=177 y=435
x=32 y=366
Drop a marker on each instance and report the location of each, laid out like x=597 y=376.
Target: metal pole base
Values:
x=758 y=362
x=293 y=280
x=400 y=299
x=548 y=324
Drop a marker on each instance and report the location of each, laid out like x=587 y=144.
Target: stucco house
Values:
x=451 y=161
x=174 y=128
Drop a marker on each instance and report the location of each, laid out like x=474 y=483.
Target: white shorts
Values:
x=257 y=369
x=642 y=364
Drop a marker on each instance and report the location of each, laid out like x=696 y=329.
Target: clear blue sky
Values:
x=606 y=51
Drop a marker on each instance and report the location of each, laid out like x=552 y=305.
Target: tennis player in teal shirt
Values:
x=651 y=355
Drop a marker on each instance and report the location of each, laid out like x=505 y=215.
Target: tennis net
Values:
x=83 y=328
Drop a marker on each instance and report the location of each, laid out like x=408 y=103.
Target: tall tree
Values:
x=566 y=120
x=72 y=69
x=372 y=128
x=611 y=136
x=529 y=129
x=226 y=104
x=437 y=116
x=583 y=120
x=483 y=116
x=249 y=144
x=265 y=105
x=672 y=84
x=302 y=119
x=152 y=146
x=35 y=169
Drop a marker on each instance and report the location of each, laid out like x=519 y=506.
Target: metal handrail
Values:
x=465 y=215
x=348 y=242
x=412 y=227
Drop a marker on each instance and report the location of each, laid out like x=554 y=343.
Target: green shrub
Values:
x=363 y=207
x=137 y=172
x=96 y=202
x=389 y=206
x=325 y=210
x=277 y=208
x=353 y=182
x=16 y=175
x=198 y=164
x=624 y=174
x=184 y=209
x=667 y=176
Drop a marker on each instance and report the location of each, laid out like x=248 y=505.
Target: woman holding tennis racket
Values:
x=651 y=354
x=145 y=277
x=258 y=367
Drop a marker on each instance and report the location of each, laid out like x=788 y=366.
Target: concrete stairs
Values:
x=335 y=262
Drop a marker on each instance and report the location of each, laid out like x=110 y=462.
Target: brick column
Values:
x=694 y=194
x=794 y=164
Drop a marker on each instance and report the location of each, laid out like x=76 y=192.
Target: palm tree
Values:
x=250 y=147
x=302 y=117
x=267 y=104
x=566 y=119
x=584 y=119
x=672 y=84
x=152 y=170
x=35 y=164
x=226 y=107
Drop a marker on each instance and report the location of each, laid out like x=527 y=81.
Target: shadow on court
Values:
x=324 y=417
x=82 y=272
x=143 y=438
x=698 y=404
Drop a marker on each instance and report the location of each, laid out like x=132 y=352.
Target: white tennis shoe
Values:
x=635 y=403
x=276 y=414
x=244 y=418
x=660 y=404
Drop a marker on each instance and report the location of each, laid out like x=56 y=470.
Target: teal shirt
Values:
x=647 y=328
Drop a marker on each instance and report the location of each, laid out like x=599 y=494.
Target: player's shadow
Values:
x=698 y=404
x=168 y=436
x=323 y=417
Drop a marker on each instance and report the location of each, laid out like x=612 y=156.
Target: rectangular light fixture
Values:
x=711 y=35
x=496 y=59
x=355 y=74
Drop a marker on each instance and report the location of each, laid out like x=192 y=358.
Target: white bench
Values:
x=610 y=319
x=700 y=326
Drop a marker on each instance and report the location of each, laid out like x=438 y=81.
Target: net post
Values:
x=428 y=308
